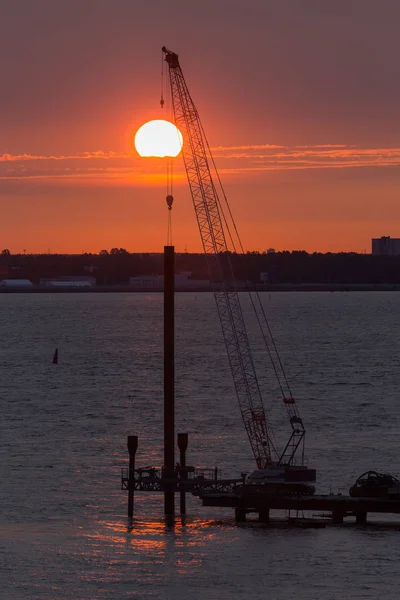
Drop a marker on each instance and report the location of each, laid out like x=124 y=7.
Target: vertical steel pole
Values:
x=169 y=379
x=182 y=445
x=132 y=447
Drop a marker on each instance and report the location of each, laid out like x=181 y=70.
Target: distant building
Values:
x=156 y=282
x=15 y=283
x=386 y=246
x=147 y=281
x=68 y=281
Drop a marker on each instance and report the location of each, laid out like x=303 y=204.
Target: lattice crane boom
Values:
x=207 y=208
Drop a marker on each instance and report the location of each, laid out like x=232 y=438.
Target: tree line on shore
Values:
x=117 y=265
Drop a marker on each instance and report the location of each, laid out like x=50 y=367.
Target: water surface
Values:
x=64 y=532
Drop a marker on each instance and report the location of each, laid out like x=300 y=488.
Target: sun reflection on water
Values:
x=156 y=544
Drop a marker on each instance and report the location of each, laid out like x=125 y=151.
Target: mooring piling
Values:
x=169 y=379
x=132 y=447
x=182 y=445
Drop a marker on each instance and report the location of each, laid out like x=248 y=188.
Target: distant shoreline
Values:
x=276 y=287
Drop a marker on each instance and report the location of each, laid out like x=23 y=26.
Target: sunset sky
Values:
x=300 y=100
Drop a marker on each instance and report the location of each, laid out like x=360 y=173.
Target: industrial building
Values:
x=156 y=282
x=21 y=283
x=147 y=281
x=386 y=246
x=68 y=281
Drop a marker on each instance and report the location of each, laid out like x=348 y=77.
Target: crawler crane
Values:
x=281 y=471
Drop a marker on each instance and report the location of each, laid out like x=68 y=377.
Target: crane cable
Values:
x=228 y=228
x=264 y=316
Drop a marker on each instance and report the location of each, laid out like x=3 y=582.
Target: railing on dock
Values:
x=190 y=479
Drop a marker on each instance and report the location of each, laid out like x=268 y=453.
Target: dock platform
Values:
x=245 y=501
x=215 y=491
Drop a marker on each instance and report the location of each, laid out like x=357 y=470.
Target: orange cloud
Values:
x=130 y=169
x=254 y=147
x=84 y=155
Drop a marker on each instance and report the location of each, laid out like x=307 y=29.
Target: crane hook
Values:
x=170 y=200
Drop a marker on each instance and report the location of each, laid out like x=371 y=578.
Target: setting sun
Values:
x=158 y=138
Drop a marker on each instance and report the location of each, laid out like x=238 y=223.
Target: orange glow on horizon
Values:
x=296 y=197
